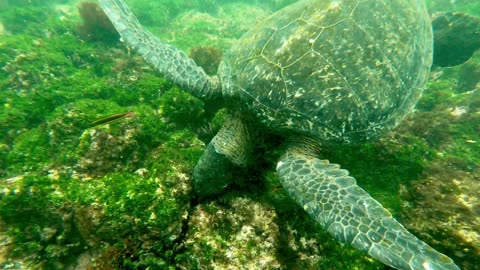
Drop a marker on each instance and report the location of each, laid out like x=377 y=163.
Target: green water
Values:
x=119 y=196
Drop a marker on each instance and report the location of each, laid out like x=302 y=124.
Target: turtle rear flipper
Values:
x=174 y=64
x=352 y=216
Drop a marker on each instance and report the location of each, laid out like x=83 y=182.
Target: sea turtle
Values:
x=316 y=72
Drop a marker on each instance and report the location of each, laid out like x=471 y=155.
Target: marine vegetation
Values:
x=120 y=195
x=95 y=24
x=207 y=57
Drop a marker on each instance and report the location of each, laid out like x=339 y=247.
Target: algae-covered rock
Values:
x=454 y=193
x=469 y=75
x=28 y=152
x=443 y=200
x=207 y=57
x=234 y=232
x=38 y=223
x=138 y=215
x=138 y=219
x=261 y=230
x=456 y=38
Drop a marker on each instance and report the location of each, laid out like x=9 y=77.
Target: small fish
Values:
x=112 y=118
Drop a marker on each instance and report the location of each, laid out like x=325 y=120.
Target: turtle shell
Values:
x=342 y=71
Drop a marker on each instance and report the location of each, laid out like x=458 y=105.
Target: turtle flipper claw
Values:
x=352 y=216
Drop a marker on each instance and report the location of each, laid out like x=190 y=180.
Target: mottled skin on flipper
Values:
x=174 y=64
x=332 y=197
x=317 y=71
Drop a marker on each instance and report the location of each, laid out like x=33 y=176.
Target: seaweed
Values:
x=207 y=57
x=95 y=24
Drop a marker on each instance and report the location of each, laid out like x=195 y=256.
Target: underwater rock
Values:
x=207 y=57
x=96 y=26
x=469 y=76
x=102 y=152
x=131 y=220
x=449 y=122
x=456 y=193
x=236 y=233
x=456 y=38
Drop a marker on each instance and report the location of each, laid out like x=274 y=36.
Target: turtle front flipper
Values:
x=351 y=215
x=228 y=151
x=174 y=64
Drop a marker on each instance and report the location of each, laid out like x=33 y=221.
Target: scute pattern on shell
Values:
x=343 y=71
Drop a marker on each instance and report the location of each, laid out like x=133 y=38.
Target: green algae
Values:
x=181 y=108
x=39 y=224
x=148 y=206
x=55 y=136
x=28 y=152
x=25 y=18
